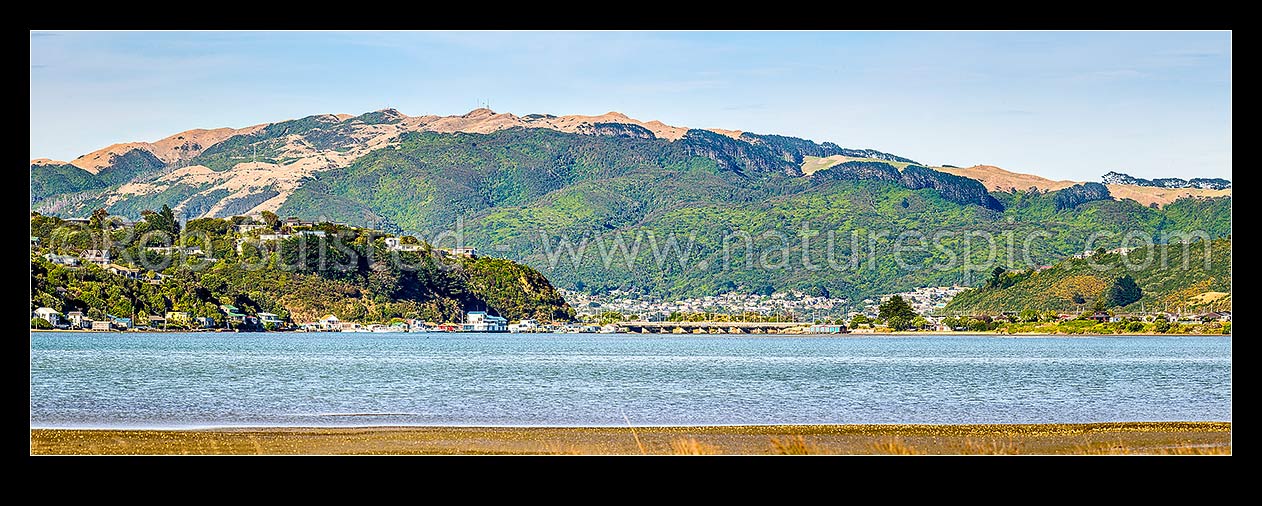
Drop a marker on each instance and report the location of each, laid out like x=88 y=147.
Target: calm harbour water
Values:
x=203 y=380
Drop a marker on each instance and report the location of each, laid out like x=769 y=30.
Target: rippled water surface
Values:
x=193 y=380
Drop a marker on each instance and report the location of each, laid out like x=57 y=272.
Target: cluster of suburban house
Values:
x=392 y=243
x=101 y=258
x=475 y=321
x=230 y=317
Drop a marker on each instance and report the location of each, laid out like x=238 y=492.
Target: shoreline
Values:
x=848 y=334
x=861 y=439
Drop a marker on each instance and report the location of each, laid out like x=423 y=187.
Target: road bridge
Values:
x=646 y=327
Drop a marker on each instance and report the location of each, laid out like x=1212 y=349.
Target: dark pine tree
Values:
x=1124 y=291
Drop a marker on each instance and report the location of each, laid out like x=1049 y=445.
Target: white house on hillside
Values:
x=396 y=244
x=468 y=252
x=97 y=256
x=49 y=314
x=62 y=259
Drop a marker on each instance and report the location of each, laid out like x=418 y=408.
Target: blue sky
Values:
x=1065 y=105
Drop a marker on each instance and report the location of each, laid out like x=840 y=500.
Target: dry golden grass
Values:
x=690 y=446
x=1208 y=297
x=990 y=447
x=813 y=164
x=997 y=179
x=1161 y=196
x=562 y=449
x=893 y=446
x=1121 y=448
x=793 y=445
x=1216 y=450
x=1113 y=438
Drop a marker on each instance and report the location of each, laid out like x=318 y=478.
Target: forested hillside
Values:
x=608 y=202
x=348 y=272
x=563 y=203
x=1171 y=277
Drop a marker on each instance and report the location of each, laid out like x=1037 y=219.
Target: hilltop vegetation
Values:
x=1079 y=194
x=1174 y=277
x=49 y=180
x=1168 y=182
x=347 y=272
x=58 y=179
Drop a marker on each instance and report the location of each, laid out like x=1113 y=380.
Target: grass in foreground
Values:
x=1125 y=438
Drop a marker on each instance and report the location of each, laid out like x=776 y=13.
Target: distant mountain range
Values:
x=522 y=186
x=1168 y=182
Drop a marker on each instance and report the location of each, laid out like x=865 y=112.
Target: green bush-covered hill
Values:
x=532 y=193
x=359 y=279
x=1173 y=277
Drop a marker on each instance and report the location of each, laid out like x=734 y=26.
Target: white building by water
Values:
x=49 y=314
x=479 y=321
x=525 y=325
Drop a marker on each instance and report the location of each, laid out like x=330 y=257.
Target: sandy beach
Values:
x=1178 y=438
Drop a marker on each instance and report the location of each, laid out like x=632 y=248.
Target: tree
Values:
x=1028 y=315
x=995 y=276
x=858 y=320
x=1124 y=291
x=919 y=322
x=897 y=313
x=98 y=218
x=172 y=226
x=162 y=221
x=271 y=219
x=1100 y=306
x=607 y=317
